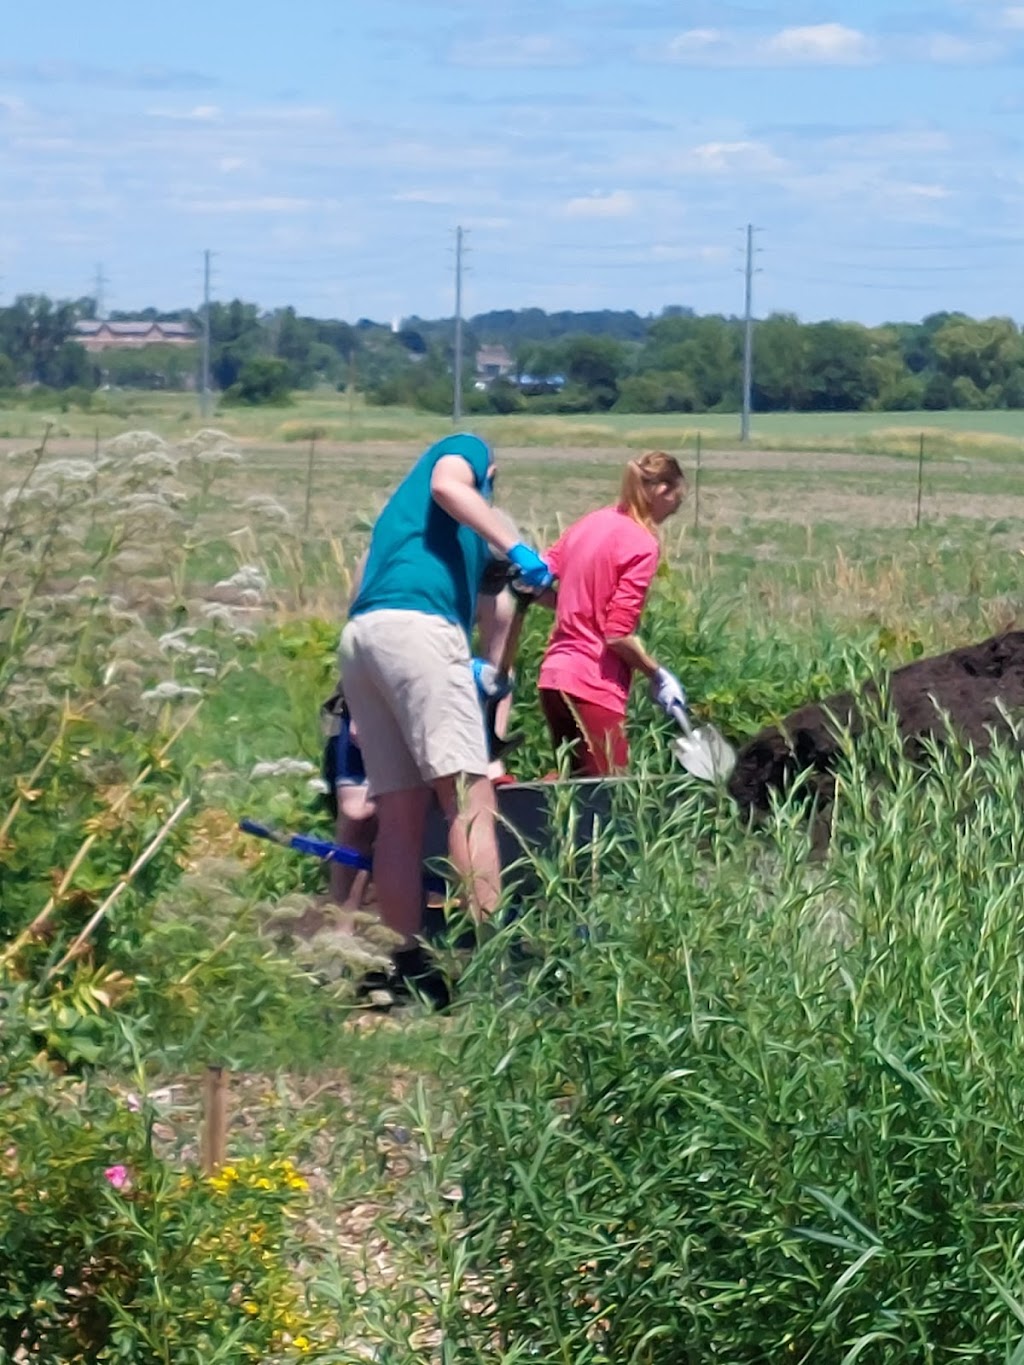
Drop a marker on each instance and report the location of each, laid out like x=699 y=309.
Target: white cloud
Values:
x=832 y=44
x=421 y=197
x=917 y=191
x=617 y=204
x=200 y=113
x=509 y=50
x=819 y=45
x=728 y=158
x=949 y=49
x=261 y=203
x=804 y=45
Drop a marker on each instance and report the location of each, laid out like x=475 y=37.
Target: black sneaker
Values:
x=417 y=973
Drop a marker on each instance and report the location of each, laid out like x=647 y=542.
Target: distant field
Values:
x=332 y=419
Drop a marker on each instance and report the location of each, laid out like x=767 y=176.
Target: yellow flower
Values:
x=302 y=1343
x=253 y=1309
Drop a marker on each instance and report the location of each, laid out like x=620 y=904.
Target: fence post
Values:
x=920 y=480
x=213 y=1145
x=309 y=487
x=696 y=487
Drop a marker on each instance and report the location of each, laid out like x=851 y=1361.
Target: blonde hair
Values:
x=639 y=479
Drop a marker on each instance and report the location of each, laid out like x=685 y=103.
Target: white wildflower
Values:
x=205 y=671
x=218 y=456
x=135 y=443
x=247 y=577
x=243 y=633
x=176 y=641
x=154 y=462
x=170 y=691
x=284 y=767
x=268 y=507
x=204 y=439
x=219 y=612
x=65 y=471
x=317 y=785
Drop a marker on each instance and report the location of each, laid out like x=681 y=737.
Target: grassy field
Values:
x=334 y=418
x=534 y=1176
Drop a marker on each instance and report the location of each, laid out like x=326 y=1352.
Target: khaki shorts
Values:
x=410 y=688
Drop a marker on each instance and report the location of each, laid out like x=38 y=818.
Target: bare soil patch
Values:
x=975 y=688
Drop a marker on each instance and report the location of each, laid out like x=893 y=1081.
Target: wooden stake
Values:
x=214 y=1136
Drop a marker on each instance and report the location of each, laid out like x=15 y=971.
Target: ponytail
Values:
x=640 y=477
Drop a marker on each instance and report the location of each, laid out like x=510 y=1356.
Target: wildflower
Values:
x=253 y=1309
x=302 y=1343
x=176 y=641
x=66 y=471
x=248 y=576
x=283 y=767
x=135 y=443
x=117 y=1176
x=170 y=691
x=154 y=462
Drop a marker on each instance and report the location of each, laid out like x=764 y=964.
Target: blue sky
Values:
x=599 y=153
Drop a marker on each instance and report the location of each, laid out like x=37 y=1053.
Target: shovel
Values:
x=702 y=751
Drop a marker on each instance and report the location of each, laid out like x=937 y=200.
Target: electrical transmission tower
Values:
x=100 y=282
x=457 y=366
x=748 y=336
x=204 y=392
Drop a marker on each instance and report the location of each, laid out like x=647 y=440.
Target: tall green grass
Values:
x=745 y=1103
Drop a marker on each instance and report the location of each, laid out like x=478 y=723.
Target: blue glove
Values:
x=490 y=684
x=532 y=569
x=667 y=691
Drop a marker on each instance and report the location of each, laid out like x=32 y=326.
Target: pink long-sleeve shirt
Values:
x=604 y=564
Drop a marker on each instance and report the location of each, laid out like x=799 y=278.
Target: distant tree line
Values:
x=559 y=362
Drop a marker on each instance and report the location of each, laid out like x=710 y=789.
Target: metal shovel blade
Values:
x=703 y=752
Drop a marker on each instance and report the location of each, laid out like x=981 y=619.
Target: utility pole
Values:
x=457 y=368
x=99 y=286
x=204 y=396
x=748 y=337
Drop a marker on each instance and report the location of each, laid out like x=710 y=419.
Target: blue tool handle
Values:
x=304 y=843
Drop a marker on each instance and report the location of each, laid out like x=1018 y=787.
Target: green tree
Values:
x=838 y=364
x=37 y=336
x=781 y=373
x=264 y=380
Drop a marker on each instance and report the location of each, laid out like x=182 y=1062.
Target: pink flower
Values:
x=117 y=1175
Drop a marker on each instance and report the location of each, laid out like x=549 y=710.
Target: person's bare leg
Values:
x=398 y=860
x=469 y=806
x=494 y=619
x=355 y=828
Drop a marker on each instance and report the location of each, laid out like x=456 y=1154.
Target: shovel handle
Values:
x=680 y=716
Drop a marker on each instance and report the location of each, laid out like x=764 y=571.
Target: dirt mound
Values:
x=968 y=685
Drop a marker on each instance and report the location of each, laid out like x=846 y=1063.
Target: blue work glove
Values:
x=667 y=691
x=532 y=569
x=490 y=684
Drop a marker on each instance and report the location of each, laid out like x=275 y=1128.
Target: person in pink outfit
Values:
x=604 y=564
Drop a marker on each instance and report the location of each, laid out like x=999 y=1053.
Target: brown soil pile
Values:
x=966 y=685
